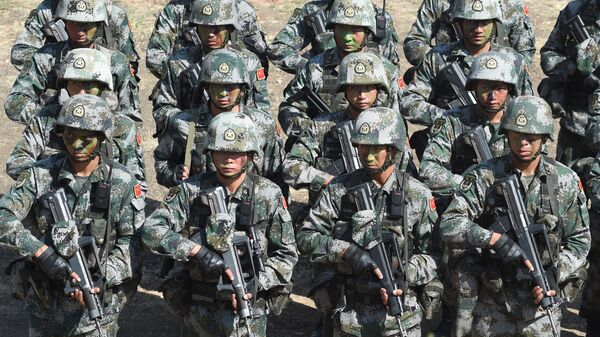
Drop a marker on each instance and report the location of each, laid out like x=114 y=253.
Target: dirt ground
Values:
x=146 y=314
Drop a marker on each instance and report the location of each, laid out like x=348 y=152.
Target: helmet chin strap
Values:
x=389 y=161
x=242 y=171
x=535 y=155
x=487 y=109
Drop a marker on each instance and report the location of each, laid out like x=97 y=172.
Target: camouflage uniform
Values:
x=333 y=226
x=51 y=313
x=36 y=86
x=552 y=198
x=299 y=33
x=570 y=67
x=32 y=37
x=40 y=140
x=171 y=22
x=434 y=23
x=321 y=71
x=171 y=90
x=183 y=215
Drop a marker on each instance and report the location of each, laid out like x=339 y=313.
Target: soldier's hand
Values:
x=182 y=172
x=508 y=250
x=385 y=297
x=53 y=265
x=77 y=295
x=233 y=299
x=210 y=262
x=538 y=294
x=361 y=261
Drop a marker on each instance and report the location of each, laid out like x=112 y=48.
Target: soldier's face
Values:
x=524 y=147
x=81 y=33
x=224 y=96
x=361 y=97
x=349 y=38
x=373 y=157
x=213 y=37
x=229 y=164
x=477 y=32
x=491 y=94
x=80 y=144
x=83 y=87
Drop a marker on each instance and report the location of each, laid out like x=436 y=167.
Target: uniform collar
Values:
x=66 y=176
x=243 y=192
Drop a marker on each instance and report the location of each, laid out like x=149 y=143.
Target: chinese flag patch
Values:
x=580 y=185
x=284 y=202
x=525 y=10
x=137 y=190
x=432 y=203
x=139 y=139
x=401 y=83
x=260 y=74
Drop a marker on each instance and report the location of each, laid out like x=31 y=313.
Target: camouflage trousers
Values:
x=209 y=320
x=43 y=328
x=415 y=331
x=590 y=305
x=491 y=319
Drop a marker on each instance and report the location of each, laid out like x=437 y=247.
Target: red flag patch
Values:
x=580 y=185
x=284 y=202
x=137 y=190
x=401 y=83
x=139 y=139
x=525 y=10
x=260 y=74
x=432 y=203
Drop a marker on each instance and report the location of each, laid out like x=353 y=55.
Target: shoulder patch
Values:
x=139 y=139
x=580 y=185
x=284 y=202
x=438 y=125
x=23 y=177
x=432 y=204
x=525 y=10
x=296 y=15
x=401 y=83
x=260 y=74
x=137 y=191
x=172 y=194
x=467 y=182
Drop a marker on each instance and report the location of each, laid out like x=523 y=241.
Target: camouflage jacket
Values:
x=434 y=24
x=436 y=169
x=426 y=98
x=182 y=214
x=464 y=223
x=331 y=226
x=170 y=96
x=561 y=55
x=285 y=50
x=592 y=128
x=320 y=74
x=39 y=79
x=170 y=152
x=32 y=36
x=121 y=256
x=40 y=141
x=167 y=36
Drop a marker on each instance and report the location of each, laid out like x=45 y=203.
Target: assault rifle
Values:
x=577 y=29
x=525 y=233
x=349 y=161
x=317 y=21
x=88 y=252
x=476 y=137
x=190 y=34
x=56 y=30
x=363 y=198
x=294 y=130
x=457 y=79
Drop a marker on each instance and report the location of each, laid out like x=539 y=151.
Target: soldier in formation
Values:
x=106 y=205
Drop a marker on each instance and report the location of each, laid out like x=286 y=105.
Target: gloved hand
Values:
x=181 y=173
x=508 y=250
x=53 y=265
x=209 y=261
x=359 y=260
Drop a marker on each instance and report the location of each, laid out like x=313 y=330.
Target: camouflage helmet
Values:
x=232 y=132
x=528 y=114
x=362 y=68
x=226 y=66
x=86 y=64
x=352 y=13
x=379 y=126
x=496 y=66
x=82 y=10
x=215 y=13
x=476 y=10
x=86 y=112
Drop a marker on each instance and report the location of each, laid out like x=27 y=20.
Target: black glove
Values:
x=209 y=261
x=359 y=260
x=508 y=250
x=54 y=266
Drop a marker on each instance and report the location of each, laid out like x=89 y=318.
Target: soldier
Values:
x=107 y=207
x=429 y=95
x=553 y=197
x=172 y=28
x=336 y=234
x=84 y=70
x=41 y=28
x=215 y=21
x=590 y=304
x=570 y=65
x=306 y=26
x=251 y=202
x=224 y=78
x=352 y=21
x=434 y=22
x=35 y=86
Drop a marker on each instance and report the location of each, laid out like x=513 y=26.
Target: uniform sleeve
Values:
x=123 y=35
x=23 y=101
x=299 y=166
x=422 y=265
x=160 y=232
x=390 y=40
x=14 y=207
x=417 y=42
x=127 y=140
x=165 y=104
x=253 y=37
x=284 y=50
x=169 y=154
x=162 y=40
x=29 y=148
x=592 y=129
x=554 y=58
x=521 y=35
x=435 y=164
x=288 y=108
x=126 y=87
x=30 y=39
x=260 y=90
